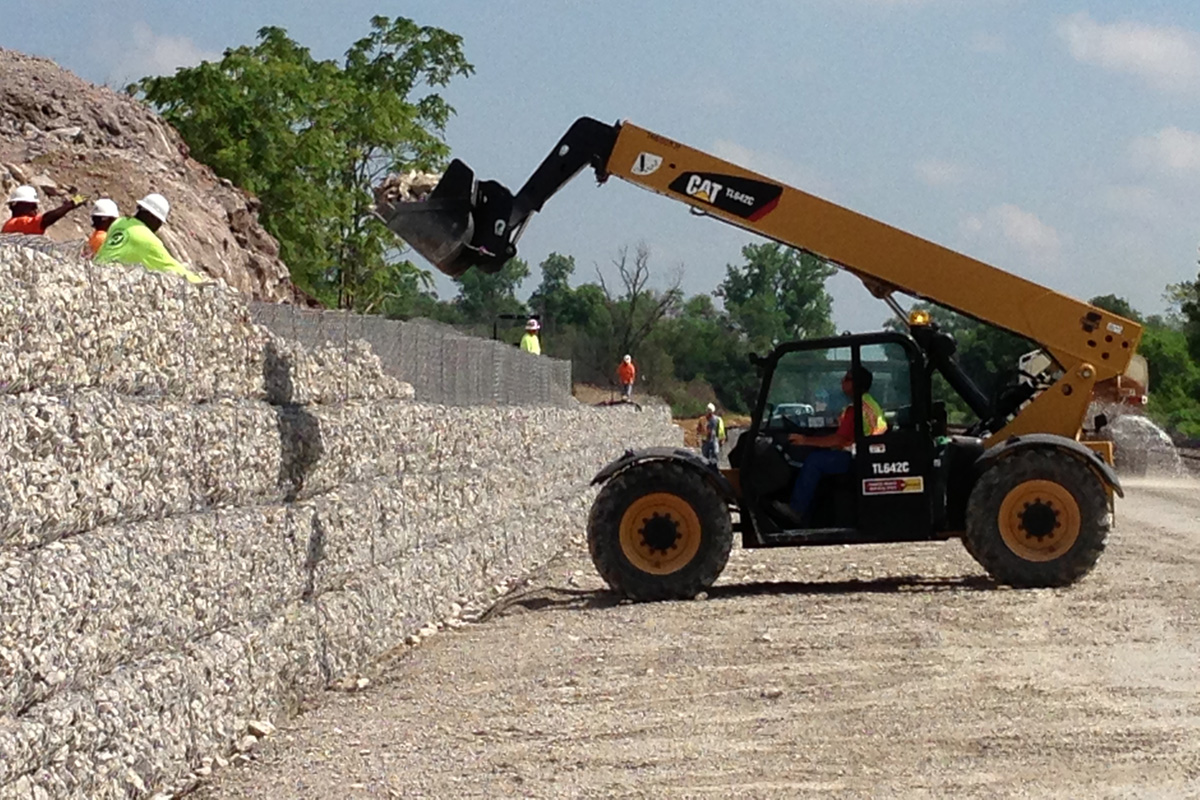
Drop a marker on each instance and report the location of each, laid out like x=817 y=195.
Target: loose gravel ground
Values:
x=890 y=671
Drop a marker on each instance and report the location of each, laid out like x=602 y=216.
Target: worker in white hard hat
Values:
x=134 y=240
x=711 y=429
x=626 y=375
x=530 y=342
x=104 y=214
x=23 y=203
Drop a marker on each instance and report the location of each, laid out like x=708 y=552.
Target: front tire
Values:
x=659 y=531
x=1037 y=518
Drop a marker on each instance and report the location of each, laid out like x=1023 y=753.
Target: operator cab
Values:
x=887 y=493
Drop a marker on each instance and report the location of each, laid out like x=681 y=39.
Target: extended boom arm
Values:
x=468 y=223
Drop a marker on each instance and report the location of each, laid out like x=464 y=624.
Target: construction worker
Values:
x=830 y=455
x=23 y=203
x=133 y=240
x=626 y=373
x=530 y=342
x=711 y=429
x=104 y=213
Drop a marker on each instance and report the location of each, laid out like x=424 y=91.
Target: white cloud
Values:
x=1138 y=202
x=139 y=52
x=936 y=172
x=1017 y=228
x=1166 y=57
x=1171 y=150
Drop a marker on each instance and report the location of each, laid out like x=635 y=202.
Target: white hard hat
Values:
x=23 y=194
x=628 y=358
x=532 y=325
x=105 y=208
x=156 y=204
x=711 y=407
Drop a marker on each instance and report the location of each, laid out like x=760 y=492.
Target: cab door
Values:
x=893 y=468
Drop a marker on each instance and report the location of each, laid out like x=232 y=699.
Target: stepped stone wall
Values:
x=202 y=522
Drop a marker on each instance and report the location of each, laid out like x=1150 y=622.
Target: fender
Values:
x=693 y=461
x=1053 y=441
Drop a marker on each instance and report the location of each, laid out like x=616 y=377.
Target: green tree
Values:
x=482 y=296
x=778 y=295
x=1174 y=380
x=705 y=349
x=311 y=138
x=552 y=298
x=1186 y=297
x=1117 y=305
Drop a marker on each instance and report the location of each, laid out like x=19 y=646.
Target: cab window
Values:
x=806 y=390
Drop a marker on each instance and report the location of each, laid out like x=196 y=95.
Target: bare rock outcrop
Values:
x=64 y=135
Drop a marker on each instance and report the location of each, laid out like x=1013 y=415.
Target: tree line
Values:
x=312 y=138
x=688 y=350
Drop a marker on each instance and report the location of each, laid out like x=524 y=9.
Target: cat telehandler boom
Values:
x=1030 y=501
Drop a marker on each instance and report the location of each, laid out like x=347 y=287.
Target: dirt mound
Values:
x=65 y=135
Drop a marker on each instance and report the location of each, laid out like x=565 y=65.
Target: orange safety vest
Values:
x=96 y=240
x=30 y=223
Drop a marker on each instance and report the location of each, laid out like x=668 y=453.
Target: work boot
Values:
x=787 y=514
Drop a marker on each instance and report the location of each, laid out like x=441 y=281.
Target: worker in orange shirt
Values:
x=104 y=213
x=23 y=203
x=626 y=373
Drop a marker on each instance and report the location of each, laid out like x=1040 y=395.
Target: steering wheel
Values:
x=790 y=425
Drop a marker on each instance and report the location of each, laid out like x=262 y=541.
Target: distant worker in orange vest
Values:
x=23 y=203
x=626 y=374
x=104 y=213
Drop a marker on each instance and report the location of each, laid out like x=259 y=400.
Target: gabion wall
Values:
x=202 y=522
x=443 y=365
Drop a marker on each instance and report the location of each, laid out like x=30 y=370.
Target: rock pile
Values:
x=64 y=135
x=406 y=187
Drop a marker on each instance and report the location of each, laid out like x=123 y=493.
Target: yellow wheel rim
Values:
x=1039 y=520
x=660 y=533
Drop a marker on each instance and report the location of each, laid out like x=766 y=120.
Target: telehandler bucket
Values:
x=466 y=223
x=461 y=224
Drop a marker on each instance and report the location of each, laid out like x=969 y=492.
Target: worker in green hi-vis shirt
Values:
x=530 y=342
x=134 y=240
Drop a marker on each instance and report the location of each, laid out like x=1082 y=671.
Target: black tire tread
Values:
x=604 y=523
x=982 y=537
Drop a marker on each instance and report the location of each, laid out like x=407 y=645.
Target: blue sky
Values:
x=1057 y=140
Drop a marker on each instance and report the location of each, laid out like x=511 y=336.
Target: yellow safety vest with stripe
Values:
x=874 y=422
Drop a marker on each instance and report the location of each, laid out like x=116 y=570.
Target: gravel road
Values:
x=891 y=671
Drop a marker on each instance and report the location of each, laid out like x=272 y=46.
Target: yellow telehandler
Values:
x=1031 y=502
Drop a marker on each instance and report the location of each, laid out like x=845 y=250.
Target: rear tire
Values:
x=1037 y=518
x=659 y=531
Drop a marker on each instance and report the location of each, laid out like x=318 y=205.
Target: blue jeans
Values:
x=818 y=462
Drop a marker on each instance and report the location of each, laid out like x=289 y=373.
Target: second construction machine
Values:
x=1031 y=502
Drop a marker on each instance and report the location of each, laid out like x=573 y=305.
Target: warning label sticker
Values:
x=893 y=485
x=646 y=163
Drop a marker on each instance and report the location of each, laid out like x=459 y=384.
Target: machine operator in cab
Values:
x=830 y=454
